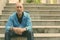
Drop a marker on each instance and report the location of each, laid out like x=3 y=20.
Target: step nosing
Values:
x=42 y=10
x=35 y=20
x=41 y=35
x=35 y=6
x=39 y=26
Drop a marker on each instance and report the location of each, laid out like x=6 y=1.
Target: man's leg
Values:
x=7 y=36
x=28 y=34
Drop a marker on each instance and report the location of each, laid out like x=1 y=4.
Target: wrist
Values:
x=11 y=28
x=25 y=29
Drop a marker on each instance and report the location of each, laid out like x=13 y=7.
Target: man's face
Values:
x=19 y=7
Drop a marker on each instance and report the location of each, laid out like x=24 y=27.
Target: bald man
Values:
x=19 y=24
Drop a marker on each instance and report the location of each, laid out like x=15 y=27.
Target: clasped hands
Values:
x=19 y=30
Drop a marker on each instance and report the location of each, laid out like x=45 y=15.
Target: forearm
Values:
x=11 y=28
x=28 y=28
x=8 y=28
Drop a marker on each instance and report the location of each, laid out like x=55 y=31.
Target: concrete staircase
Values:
x=45 y=20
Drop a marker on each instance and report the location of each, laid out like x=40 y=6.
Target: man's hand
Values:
x=16 y=30
x=19 y=30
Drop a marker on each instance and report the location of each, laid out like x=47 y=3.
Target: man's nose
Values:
x=19 y=8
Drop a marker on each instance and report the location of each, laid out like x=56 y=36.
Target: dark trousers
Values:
x=28 y=34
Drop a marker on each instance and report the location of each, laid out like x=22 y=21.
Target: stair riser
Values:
x=33 y=8
x=38 y=30
x=2 y=30
x=38 y=23
x=37 y=16
x=38 y=38
x=32 y=16
x=41 y=12
x=36 y=4
x=50 y=17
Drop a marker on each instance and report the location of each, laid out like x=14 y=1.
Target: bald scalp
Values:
x=19 y=4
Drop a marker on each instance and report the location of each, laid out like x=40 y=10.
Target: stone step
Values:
x=10 y=4
x=38 y=29
x=37 y=12
x=33 y=4
x=38 y=36
x=36 y=16
x=38 y=22
x=50 y=17
x=6 y=16
x=41 y=35
x=33 y=8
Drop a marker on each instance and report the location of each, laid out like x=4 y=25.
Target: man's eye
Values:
x=19 y=7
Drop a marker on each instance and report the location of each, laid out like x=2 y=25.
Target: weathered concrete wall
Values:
x=15 y=1
x=2 y=4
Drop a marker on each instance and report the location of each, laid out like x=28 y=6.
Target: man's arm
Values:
x=29 y=23
x=9 y=24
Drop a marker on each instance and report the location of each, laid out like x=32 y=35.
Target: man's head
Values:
x=19 y=7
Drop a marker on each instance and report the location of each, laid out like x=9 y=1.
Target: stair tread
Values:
x=41 y=35
x=54 y=15
x=34 y=20
x=47 y=34
x=35 y=6
x=36 y=10
x=2 y=35
x=39 y=26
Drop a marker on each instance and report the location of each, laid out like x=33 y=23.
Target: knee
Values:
x=7 y=33
x=29 y=32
